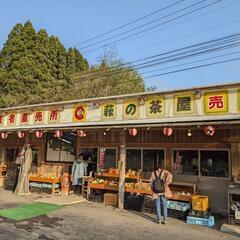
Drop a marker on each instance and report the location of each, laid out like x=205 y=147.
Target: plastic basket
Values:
x=207 y=222
x=200 y=203
x=180 y=206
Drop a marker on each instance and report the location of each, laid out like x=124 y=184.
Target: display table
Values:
x=112 y=175
x=52 y=181
x=176 y=195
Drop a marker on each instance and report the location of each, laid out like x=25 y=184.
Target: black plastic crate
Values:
x=148 y=202
x=96 y=198
x=35 y=189
x=134 y=199
x=133 y=207
x=177 y=214
x=149 y=209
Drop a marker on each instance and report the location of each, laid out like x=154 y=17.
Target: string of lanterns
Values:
x=167 y=131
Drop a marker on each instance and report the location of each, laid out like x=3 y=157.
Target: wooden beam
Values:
x=122 y=167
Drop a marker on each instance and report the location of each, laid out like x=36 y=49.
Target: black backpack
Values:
x=158 y=184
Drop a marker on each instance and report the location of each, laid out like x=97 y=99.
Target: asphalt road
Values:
x=95 y=221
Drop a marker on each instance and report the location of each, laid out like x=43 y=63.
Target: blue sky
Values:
x=75 y=21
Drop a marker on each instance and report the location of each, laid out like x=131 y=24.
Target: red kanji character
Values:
x=54 y=115
x=24 y=118
x=1 y=119
x=215 y=101
x=38 y=117
x=12 y=118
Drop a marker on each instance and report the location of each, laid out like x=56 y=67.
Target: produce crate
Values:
x=200 y=214
x=200 y=203
x=35 y=189
x=149 y=209
x=178 y=214
x=148 y=202
x=111 y=199
x=180 y=206
x=133 y=202
x=207 y=222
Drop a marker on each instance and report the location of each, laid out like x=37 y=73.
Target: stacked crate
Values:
x=200 y=214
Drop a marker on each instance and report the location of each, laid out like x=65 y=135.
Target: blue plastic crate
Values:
x=180 y=206
x=207 y=222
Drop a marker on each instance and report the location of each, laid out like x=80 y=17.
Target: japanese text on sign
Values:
x=109 y=110
x=155 y=106
x=130 y=109
x=53 y=116
x=184 y=103
x=216 y=102
x=38 y=117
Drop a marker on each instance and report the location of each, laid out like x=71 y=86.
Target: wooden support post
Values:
x=122 y=167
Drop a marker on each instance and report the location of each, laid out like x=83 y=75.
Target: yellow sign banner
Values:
x=109 y=110
x=155 y=106
x=216 y=102
x=183 y=103
x=130 y=109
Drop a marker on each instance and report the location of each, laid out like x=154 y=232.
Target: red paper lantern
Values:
x=4 y=135
x=81 y=133
x=133 y=131
x=39 y=134
x=209 y=130
x=58 y=133
x=21 y=134
x=168 y=131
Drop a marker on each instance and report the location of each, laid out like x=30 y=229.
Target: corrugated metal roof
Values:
x=170 y=91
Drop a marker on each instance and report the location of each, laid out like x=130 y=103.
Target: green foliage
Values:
x=37 y=68
x=34 y=67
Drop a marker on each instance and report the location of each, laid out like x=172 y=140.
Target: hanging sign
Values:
x=102 y=157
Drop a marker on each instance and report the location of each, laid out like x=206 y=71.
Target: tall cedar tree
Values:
x=36 y=68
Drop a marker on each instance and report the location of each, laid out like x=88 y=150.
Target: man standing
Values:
x=159 y=182
x=79 y=170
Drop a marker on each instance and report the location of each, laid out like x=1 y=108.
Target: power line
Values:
x=186 y=35
x=165 y=73
x=173 y=25
x=218 y=40
x=196 y=61
x=143 y=25
x=195 y=67
x=129 y=23
x=155 y=26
